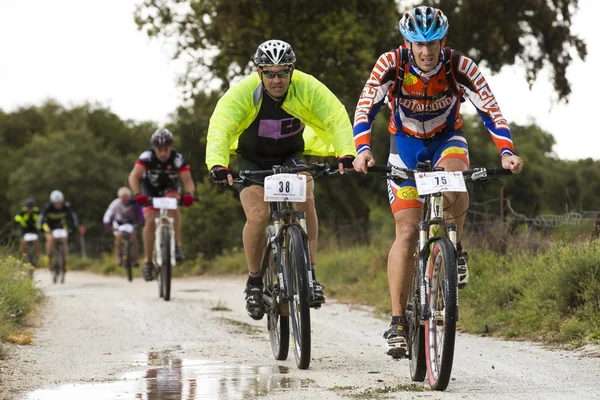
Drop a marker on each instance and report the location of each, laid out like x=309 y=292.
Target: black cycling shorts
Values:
x=152 y=191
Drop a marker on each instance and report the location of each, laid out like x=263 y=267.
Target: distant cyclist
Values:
x=26 y=221
x=160 y=169
x=124 y=210
x=56 y=215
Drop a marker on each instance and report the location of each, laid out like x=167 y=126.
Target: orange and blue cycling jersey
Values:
x=426 y=106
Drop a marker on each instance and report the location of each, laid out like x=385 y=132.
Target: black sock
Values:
x=459 y=247
x=397 y=320
x=312 y=268
x=254 y=280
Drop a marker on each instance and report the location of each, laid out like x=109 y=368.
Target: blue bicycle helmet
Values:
x=423 y=24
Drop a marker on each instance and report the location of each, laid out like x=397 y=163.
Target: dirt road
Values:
x=105 y=338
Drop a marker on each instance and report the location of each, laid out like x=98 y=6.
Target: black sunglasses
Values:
x=281 y=74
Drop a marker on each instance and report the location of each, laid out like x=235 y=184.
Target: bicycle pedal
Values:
x=398 y=353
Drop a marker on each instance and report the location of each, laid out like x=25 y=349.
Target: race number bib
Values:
x=169 y=203
x=285 y=187
x=440 y=181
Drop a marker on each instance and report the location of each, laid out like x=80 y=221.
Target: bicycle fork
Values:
x=160 y=223
x=429 y=232
x=278 y=253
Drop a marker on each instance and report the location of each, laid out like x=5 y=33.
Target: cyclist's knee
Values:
x=258 y=216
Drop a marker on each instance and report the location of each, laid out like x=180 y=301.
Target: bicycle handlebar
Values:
x=407 y=173
x=244 y=175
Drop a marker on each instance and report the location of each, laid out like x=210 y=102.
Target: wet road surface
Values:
x=105 y=338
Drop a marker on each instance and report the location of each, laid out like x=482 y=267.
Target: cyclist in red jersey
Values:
x=424 y=83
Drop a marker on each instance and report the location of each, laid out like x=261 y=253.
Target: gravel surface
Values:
x=105 y=338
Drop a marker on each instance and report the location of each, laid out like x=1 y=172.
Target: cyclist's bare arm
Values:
x=188 y=182
x=134 y=178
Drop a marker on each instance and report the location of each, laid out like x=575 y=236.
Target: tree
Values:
x=75 y=163
x=337 y=41
x=536 y=31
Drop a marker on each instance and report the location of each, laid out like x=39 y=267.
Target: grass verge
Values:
x=18 y=296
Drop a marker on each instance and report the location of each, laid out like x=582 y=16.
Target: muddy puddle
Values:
x=170 y=377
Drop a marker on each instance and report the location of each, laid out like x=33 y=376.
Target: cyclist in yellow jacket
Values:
x=274 y=117
x=26 y=220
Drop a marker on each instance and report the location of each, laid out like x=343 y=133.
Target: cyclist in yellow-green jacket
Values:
x=274 y=117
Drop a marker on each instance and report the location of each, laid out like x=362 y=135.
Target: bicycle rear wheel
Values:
x=296 y=276
x=165 y=269
x=277 y=324
x=416 y=331
x=440 y=328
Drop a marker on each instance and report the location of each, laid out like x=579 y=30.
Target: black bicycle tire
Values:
x=296 y=253
x=416 y=333
x=128 y=263
x=31 y=254
x=60 y=255
x=277 y=324
x=55 y=269
x=439 y=381
x=166 y=262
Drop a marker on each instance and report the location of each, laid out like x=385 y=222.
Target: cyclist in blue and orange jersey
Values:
x=274 y=117
x=424 y=83
x=160 y=168
x=54 y=216
x=123 y=210
x=26 y=221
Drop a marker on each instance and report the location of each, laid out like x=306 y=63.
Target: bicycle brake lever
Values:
x=398 y=173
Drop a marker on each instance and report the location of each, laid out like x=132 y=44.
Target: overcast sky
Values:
x=78 y=50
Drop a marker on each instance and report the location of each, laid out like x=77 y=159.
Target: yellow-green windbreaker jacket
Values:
x=307 y=99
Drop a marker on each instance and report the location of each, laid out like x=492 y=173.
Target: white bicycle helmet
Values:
x=274 y=52
x=57 y=197
x=162 y=137
x=124 y=191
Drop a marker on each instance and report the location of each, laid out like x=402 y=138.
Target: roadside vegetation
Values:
x=17 y=299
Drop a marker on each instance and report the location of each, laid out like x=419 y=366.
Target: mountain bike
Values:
x=286 y=267
x=432 y=306
x=59 y=256
x=164 y=243
x=125 y=231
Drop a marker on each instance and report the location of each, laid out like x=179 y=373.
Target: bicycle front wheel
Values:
x=31 y=254
x=165 y=269
x=128 y=258
x=416 y=331
x=277 y=324
x=296 y=276
x=440 y=328
x=59 y=262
